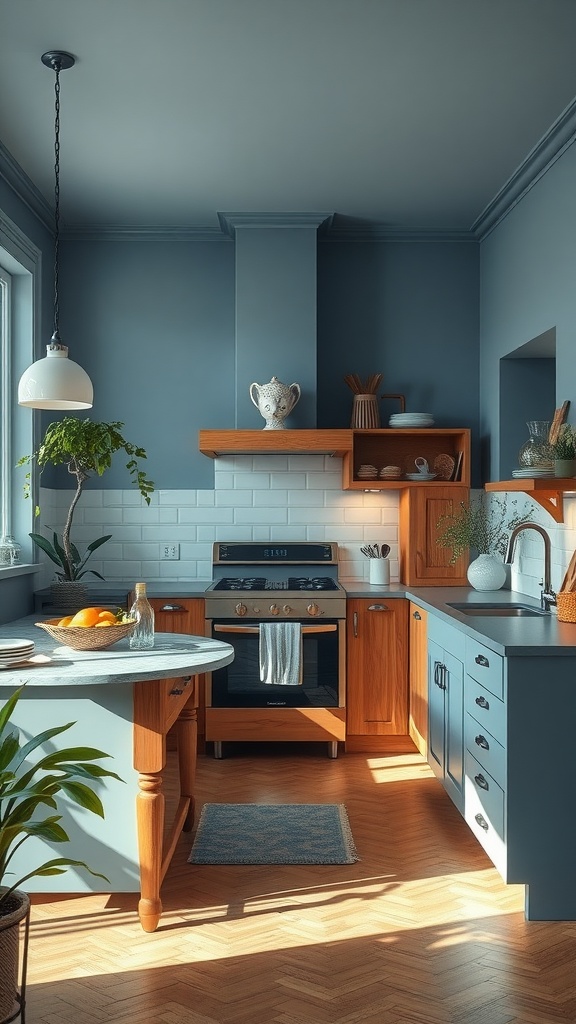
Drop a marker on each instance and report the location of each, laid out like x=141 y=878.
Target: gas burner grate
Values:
x=311 y=583
x=242 y=583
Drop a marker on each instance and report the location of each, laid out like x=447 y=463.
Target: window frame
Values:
x=21 y=263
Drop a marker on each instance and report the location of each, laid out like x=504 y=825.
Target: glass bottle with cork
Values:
x=142 y=636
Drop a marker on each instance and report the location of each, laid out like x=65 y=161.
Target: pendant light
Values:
x=56 y=382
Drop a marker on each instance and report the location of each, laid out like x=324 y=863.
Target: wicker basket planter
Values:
x=13 y=921
x=566 y=605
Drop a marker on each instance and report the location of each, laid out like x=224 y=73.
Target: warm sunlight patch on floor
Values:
x=398 y=767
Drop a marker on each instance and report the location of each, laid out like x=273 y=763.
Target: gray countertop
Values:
x=534 y=636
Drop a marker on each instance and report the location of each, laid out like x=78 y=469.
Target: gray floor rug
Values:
x=273 y=834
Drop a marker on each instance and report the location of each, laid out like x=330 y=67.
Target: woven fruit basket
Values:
x=87 y=638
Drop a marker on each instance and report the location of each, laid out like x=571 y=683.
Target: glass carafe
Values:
x=537 y=452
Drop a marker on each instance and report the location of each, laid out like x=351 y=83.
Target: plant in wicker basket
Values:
x=85 y=448
x=30 y=783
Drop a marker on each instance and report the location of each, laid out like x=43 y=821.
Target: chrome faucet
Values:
x=547 y=595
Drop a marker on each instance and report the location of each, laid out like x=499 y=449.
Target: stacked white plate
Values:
x=532 y=471
x=411 y=419
x=13 y=651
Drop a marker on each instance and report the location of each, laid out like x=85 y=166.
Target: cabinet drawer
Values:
x=484 y=802
x=486 y=667
x=489 y=712
x=485 y=748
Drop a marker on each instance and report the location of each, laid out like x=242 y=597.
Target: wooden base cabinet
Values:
x=446 y=707
x=183 y=615
x=418 y=678
x=377 y=675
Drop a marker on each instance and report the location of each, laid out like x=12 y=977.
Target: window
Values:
x=19 y=309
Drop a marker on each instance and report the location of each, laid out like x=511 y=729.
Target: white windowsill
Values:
x=18 y=570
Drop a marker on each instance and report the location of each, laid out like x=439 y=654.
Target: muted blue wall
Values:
x=408 y=310
x=528 y=275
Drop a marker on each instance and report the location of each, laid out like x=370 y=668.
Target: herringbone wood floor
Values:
x=420 y=931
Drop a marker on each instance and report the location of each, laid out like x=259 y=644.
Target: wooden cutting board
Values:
x=569 y=581
x=559 y=418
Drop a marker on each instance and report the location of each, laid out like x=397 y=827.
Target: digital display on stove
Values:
x=253 y=553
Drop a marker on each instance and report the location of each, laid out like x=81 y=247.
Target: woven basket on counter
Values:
x=566 y=605
x=86 y=638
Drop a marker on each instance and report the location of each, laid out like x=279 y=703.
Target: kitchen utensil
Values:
x=569 y=581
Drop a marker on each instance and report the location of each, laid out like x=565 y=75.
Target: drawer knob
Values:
x=482 y=703
x=481 y=741
x=481 y=660
x=175 y=692
x=481 y=820
x=481 y=782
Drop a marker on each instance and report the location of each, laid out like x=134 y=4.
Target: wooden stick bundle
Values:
x=359 y=387
x=569 y=581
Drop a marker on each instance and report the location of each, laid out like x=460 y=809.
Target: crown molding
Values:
x=25 y=189
x=119 y=233
x=229 y=222
x=374 y=231
x=558 y=138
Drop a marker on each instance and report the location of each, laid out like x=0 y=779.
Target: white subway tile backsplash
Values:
x=269 y=498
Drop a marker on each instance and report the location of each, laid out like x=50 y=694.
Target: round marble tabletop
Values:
x=173 y=655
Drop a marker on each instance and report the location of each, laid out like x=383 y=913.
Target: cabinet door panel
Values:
x=423 y=561
x=377 y=663
x=436 y=713
x=418 y=678
x=454 y=764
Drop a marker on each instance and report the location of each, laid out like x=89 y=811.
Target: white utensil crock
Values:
x=379 y=571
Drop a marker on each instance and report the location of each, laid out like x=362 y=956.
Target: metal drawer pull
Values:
x=482 y=821
x=481 y=741
x=355 y=624
x=378 y=608
x=416 y=615
x=481 y=660
x=481 y=782
x=482 y=703
x=172 y=608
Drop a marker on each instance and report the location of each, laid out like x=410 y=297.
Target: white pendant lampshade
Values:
x=56 y=382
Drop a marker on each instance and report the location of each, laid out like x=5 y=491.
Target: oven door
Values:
x=238 y=685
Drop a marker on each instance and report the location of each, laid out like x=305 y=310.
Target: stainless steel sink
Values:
x=514 y=611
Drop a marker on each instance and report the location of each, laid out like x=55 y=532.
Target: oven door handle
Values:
x=256 y=629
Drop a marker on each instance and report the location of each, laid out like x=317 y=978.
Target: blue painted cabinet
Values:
x=446 y=708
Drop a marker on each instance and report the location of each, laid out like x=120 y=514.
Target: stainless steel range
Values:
x=286 y=597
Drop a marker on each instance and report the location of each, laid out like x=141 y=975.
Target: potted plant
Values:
x=30 y=784
x=483 y=525
x=85 y=448
x=565 y=452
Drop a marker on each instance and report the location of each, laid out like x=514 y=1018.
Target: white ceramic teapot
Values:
x=274 y=401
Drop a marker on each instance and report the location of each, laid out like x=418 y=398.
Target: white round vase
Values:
x=486 y=573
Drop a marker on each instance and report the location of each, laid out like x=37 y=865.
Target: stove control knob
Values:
x=286 y=609
x=274 y=609
x=313 y=609
x=256 y=609
x=241 y=609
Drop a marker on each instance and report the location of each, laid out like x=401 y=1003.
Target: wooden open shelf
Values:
x=274 y=442
x=546 y=491
x=390 y=447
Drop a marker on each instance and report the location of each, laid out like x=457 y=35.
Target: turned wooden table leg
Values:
x=187 y=730
x=150 y=819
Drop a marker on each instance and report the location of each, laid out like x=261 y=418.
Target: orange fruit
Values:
x=106 y=616
x=65 y=621
x=86 y=617
x=104 y=622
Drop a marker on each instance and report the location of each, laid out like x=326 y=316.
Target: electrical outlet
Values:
x=170 y=551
